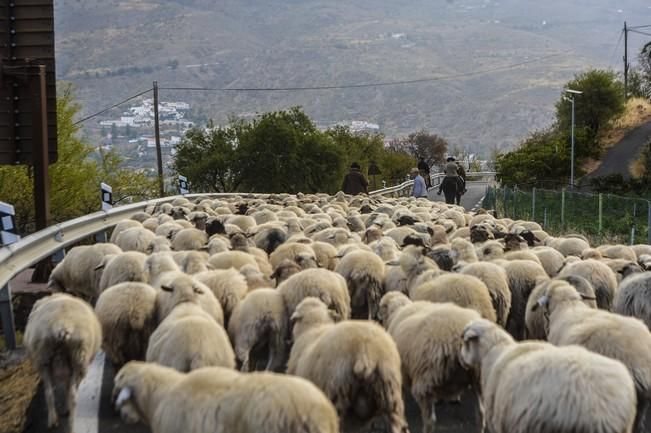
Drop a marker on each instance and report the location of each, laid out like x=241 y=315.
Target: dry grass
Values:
x=638 y=111
x=18 y=385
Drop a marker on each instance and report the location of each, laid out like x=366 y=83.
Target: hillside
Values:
x=112 y=49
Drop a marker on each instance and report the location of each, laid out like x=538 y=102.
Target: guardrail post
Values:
x=545 y=217
x=7 y=315
x=101 y=237
x=563 y=207
x=601 y=212
x=533 y=204
x=515 y=199
x=633 y=225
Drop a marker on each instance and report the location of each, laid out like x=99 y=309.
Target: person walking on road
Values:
x=461 y=189
x=420 y=188
x=423 y=167
x=451 y=182
x=355 y=182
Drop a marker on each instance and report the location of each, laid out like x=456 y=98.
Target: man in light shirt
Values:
x=420 y=188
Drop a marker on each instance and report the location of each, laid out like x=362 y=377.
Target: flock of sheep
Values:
x=291 y=313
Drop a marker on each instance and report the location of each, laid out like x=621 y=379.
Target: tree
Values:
x=422 y=144
x=602 y=101
x=74 y=179
x=207 y=157
x=284 y=152
x=544 y=156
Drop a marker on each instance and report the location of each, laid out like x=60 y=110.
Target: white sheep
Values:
x=463 y=290
x=232 y=259
x=78 y=272
x=228 y=285
x=192 y=262
x=188 y=338
x=429 y=344
x=166 y=299
x=326 y=285
x=571 y=389
x=122 y=226
x=258 y=328
x=127 y=313
x=496 y=281
x=171 y=402
x=135 y=239
x=625 y=339
x=355 y=363
x=62 y=337
x=189 y=239
x=523 y=277
x=364 y=273
x=129 y=266
x=601 y=277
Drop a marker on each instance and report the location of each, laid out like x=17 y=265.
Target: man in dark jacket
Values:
x=355 y=182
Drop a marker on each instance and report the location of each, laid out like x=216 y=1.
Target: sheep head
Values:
x=309 y=313
x=479 y=337
x=390 y=303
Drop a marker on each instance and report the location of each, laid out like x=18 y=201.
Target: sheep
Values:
x=170 y=402
x=623 y=268
x=464 y=290
x=192 y=262
x=428 y=343
x=533 y=319
x=568 y=246
x=601 y=277
x=645 y=262
x=490 y=250
x=158 y=264
x=258 y=328
x=415 y=267
x=228 y=285
x=166 y=300
x=496 y=281
x=168 y=230
x=523 y=276
x=78 y=274
x=523 y=255
x=135 y=239
x=641 y=249
x=127 y=313
x=617 y=252
x=232 y=259
x=326 y=285
x=464 y=249
x=364 y=273
x=550 y=259
x=355 y=363
x=395 y=279
x=634 y=298
x=285 y=269
x=159 y=244
x=189 y=239
x=61 y=338
x=571 y=389
x=129 y=266
x=188 y=338
x=122 y=226
x=625 y=339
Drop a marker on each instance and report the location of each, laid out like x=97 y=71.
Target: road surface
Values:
x=620 y=156
x=471 y=200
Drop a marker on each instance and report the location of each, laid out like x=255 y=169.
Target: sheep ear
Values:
x=124 y=395
x=198 y=290
x=295 y=318
x=587 y=297
x=393 y=263
x=275 y=274
x=543 y=301
x=100 y=266
x=470 y=334
x=166 y=288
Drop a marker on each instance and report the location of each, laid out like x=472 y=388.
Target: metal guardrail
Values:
x=405 y=188
x=32 y=249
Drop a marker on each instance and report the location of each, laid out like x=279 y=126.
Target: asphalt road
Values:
x=619 y=157
x=471 y=200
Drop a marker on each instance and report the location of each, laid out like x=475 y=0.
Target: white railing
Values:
x=404 y=188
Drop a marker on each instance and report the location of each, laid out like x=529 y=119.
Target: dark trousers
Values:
x=449 y=187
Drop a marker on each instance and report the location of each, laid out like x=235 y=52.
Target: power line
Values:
x=365 y=85
x=640 y=27
x=639 y=32
x=111 y=107
x=612 y=57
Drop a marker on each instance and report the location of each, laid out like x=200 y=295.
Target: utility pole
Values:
x=625 y=60
x=159 y=157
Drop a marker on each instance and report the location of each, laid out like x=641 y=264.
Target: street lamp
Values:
x=571 y=99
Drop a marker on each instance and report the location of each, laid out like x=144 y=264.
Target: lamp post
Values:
x=571 y=99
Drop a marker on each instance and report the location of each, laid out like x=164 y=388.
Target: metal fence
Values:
x=603 y=217
x=404 y=189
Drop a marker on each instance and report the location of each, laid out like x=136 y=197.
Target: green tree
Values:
x=602 y=101
x=284 y=152
x=208 y=158
x=544 y=156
